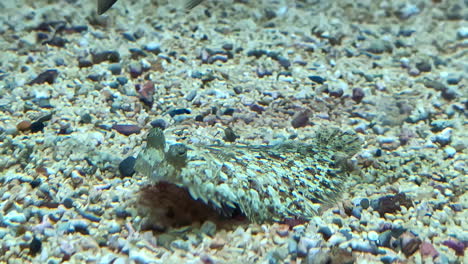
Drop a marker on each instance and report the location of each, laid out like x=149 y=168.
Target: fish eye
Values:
x=177 y=154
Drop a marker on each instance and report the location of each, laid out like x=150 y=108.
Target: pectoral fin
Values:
x=104 y=5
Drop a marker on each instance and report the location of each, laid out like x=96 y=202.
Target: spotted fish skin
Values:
x=267 y=183
x=104 y=5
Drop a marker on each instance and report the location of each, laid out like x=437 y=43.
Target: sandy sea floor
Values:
x=79 y=92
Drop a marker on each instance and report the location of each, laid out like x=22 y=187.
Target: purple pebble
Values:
x=127 y=129
x=458 y=246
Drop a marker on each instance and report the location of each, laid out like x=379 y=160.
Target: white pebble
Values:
x=372 y=236
x=450 y=152
x=14 y=216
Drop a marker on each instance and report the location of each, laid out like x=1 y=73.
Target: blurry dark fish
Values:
x=104 y=5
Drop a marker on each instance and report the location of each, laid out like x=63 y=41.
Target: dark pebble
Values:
x=86 y=119
x=457 y=246
x=257 y=108
x=227 y=46
x=406 y=32
x=56 y=41
x=326 y=232
x=229 y=111
x=135 y=70
x=59 y=62
x=358 y=95
x=127 y=167
x=365 y=203
x=199 y=118
x=180 y=111
x=159 y=123
x=89 y=216
x=128 y=36
x=317 y=79
x=409 y=243
x=423 y=66
x=257 y=53
x=114 y=85
x=68 y=203
x=453 y=80
x=301 y=119
x=338 y=222
x=95 y=77
x=261 y=72
x=218 y=57
x=357 y=212
x=48 y=76
x=284 y=62
x=110 y=56
x=35 y=183
x=384 y=239
x=127 y=129
x=42 y=36
x=43 y=102
x=35 y=246
x=122 y=213
x=229 y=135
x=37 y=126
x=115 y=68
x=335 y=91
x=449 y=94
x=122 y=80
x=438 y=86
x=84 y=63
x=391 y=203
x=136 y=53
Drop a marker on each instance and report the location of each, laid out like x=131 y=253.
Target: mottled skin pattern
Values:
x=267 y=183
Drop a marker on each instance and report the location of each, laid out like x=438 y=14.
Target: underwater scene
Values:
x=233 y=131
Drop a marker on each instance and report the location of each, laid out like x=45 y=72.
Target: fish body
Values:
x=267 y=183
x=104 y=5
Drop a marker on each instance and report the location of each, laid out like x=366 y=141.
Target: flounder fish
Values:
x=104 y=5
x=291 y=180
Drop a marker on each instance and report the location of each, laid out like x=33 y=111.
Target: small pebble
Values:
x=423 y=66
x=24 y=125
x=317 y=79
x=135 y=70
x=68 y=203
x=301 y=119
x=35 y=246
x=409 y=243
x=384 y=239
x=450 y=152
x=372 y=236
x=48 y=76
x=110 y=56
x=127 y=129
x=229 y=135
x=358 y=95
x=115 y=68
x=180 y=111
x=159 y=123
x=462 y=33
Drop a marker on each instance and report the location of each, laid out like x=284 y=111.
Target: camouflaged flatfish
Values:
x=104 y=5
x=267 y=183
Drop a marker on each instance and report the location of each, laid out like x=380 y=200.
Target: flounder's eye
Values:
x=177 y=154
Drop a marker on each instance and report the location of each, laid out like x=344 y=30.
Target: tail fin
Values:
x=104 y=5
